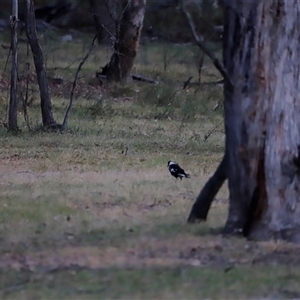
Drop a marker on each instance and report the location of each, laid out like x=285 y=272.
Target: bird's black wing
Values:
x=173 y=170
x=181 y=173
x=180 y=170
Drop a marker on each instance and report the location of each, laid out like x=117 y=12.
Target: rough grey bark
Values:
x=13 y=103
x=261 y=54
x=30 y=26
x=127 y=41
x=262 y=124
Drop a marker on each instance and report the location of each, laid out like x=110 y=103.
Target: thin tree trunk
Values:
x=46 y=105
x=13 y=103
x=202 y=205
x=127 y=41
x=262 y=124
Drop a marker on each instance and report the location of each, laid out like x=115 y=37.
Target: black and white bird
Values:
x=176 y=171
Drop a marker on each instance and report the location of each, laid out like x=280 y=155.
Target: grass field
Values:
x=92 y=213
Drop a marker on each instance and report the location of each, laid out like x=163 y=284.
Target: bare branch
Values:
x=199 y=60
x=207 y=135
x=143 y=79
x=65 y=123
x=199 y=41
x=187 y=82
x=7 y=59
x=112 y=37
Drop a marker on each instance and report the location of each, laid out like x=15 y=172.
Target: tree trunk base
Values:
x=260 y=232
x=233 y=228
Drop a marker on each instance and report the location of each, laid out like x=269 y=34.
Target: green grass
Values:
x=80 y=219
x=183 y=282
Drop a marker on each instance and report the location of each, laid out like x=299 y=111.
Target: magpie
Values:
x=176 y=171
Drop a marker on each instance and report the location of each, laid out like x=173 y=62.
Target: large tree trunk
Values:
x=13 y=103
x=127 y=41
x=46 y=105
x=262 y=117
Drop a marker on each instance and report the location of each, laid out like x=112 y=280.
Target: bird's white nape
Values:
x=171 y=163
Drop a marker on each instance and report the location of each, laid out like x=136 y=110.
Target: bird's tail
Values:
x=187 y=176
